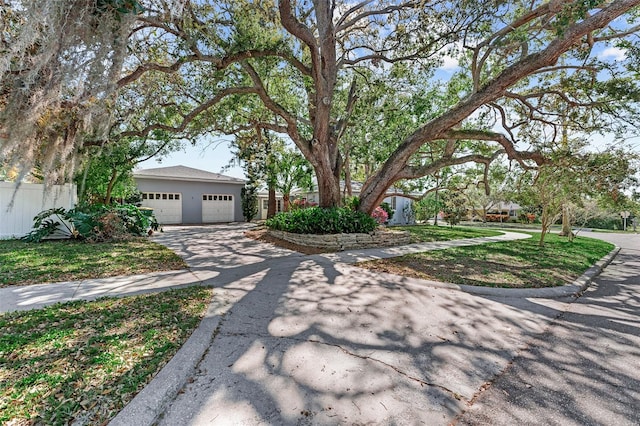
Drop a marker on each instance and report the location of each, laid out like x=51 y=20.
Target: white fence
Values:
x=16 y=219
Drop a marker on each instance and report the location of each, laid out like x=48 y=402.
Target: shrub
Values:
x=607 y=222
x=249 y=198
x=316 y=220
x=380 y=215
x=497 y=217
x=387 y=208
x=93 y=223
x=526 y=217
x=351 y=202
x=301 y=203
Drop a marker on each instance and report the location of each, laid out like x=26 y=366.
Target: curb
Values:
x=149 y=404
x=578 y=286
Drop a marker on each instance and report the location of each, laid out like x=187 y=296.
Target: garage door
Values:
x=166 y=206
x=217 y=208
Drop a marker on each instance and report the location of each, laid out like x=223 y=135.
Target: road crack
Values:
x=394 y=368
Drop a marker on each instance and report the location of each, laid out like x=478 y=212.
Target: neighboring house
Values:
x=18 y=208
x=508 y=209
x=184 y=195
x=263 y=204
x=401 y=204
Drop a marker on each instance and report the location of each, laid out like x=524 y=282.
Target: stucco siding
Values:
x=192 y=195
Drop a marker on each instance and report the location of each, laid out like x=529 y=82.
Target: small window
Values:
x=204 y=197
x=224 y=197
x=177 y=196
x=144 y=196
x=265 y=204
x=171 y=196
x=164 y=196
x=209 y=197
x=157 y=196
x=215 y=198
x=230 y=197
x=393 y=203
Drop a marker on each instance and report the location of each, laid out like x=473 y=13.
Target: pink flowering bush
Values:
x=380 y=215
x=302 y=203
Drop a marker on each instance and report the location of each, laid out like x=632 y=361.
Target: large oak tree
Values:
x=297 y=68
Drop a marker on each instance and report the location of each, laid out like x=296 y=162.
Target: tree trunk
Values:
x=328 y=166
x=271 y=203
x=566 y=223
x=544 y=224
x=435 y=218
x=285 y=202
x=347 y=176
x=112 y=182
x=328 y=188
x=392 y=170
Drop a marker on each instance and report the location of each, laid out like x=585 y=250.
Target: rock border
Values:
x=340 y=242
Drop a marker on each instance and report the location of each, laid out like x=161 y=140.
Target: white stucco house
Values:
x=184 y=195
x=263 y=204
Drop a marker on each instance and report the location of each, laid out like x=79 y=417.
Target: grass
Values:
x=428 y=233
x=83 y=361
x=512 y=264
x=23 y=263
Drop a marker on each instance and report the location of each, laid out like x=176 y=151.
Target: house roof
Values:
x=184 y=173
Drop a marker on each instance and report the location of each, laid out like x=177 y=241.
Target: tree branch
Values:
x=188 y=118
x=507 y=145
x=269 y=103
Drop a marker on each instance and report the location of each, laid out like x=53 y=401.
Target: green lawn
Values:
x=24 y=263
x=512 y=264
x=428 y=233
x=83 y=361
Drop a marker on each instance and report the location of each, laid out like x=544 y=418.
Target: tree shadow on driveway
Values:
x=584 y=370
x=308 y=341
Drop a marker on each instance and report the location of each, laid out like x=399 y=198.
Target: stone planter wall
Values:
x=339 y=242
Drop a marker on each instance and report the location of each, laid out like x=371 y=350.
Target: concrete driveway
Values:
x=301 y=339
x=585 y=369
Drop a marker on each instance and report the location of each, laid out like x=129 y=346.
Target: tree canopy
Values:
x=343 y=81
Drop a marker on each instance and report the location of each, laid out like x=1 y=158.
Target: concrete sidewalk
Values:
x=210 y=262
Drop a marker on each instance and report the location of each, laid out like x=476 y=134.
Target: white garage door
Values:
x=166 y=206
x=217 y=208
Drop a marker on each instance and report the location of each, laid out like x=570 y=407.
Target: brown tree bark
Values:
x=395 y=168
x=271 y=202
x=112 y=182
x=566 y=223
x=286 y=203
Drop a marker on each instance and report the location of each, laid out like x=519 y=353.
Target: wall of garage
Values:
x=191 y=193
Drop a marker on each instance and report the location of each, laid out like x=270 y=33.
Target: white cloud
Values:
x=449 y=63
x=615 y=53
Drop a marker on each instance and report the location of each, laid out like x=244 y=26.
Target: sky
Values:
x=210 y=155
